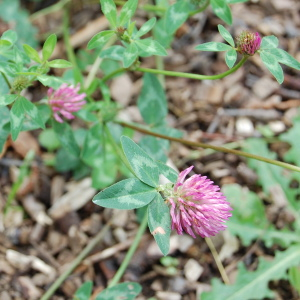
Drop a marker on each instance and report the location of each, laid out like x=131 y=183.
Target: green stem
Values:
x=201 y=9
x=130 y=252
x=70 y=51
x=118 y=149
x=216 y=148
x=95 y=67
x=112 y=74
x=179 y=74
x=153 y=8
x=6 y=80
x=50 y=9
x=58 y=282
x=195 y=76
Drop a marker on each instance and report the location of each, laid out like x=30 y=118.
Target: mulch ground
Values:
x=57 y=218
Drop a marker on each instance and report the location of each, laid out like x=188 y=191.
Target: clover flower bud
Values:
x=20 y=83
x=65 y=101
x=248 y=42
x=197 y=206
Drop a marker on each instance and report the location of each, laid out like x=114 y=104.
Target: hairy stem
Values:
x=179 y=74
x=130 y=252
x=216 y=148
x=194 y=76
x=57 y=283
x=50 y=9
x=70 y=51
x=95 y=67
x=217 y=259
x=6 y=80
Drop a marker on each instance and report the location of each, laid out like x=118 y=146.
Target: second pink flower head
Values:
x=65 y=101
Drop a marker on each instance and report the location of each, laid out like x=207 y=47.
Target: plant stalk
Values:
x=70 y=51
x=216 y=148
x=130 y=252
x=195 y=76
x=217 y=259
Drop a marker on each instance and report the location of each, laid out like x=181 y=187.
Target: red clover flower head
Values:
x=248 y=42
x=65 y=101
x=197 y=206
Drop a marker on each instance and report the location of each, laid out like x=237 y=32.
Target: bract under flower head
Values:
x=65 y=101
x=248 y=42
x=197 y=206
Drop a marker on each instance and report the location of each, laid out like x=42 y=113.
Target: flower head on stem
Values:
x=197 y=206
x=65 y=101
x=248 y=42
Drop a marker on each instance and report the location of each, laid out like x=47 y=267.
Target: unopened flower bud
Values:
x=248 y=42
x=20 y=83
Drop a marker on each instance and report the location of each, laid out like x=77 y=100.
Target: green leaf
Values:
x=254 y=285
x=152 y=101
x=66 y=137
x=226 y=35
x=4 y=125
x=142 y=164
x=130 y=55
x=230 y=58
x=49 y=140
x=285 y=58
x=125 y=290
x=294 y=277
x=127 y=12
x=7 y=99
x=17 y=116
x=145 y=28
x=222 y=10
x=151 y=47
x=10 y=35
x=160 y=33
x=113 y=52
x=154 y=147
x=65 y=161
x=110 y=11
x=51 y=81
x=272 y=65
x=213 y=46
x=130 y=193
x=84 y=291
x=105 y=170
x=59 y=63
x=292 y=137
x=4 y=43
x=236 y=1
x=93 y=145
x=249 y=220
x=270 y=176
x=32 y=53
x=167 y=171
x=44 y=112
x=49 y=46
x=20 y=109
x=269 y=42
x=12 y=12
x=100 y=39
x=176 y=15
x=159 y=222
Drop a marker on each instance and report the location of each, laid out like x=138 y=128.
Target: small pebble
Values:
x=192 y=270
